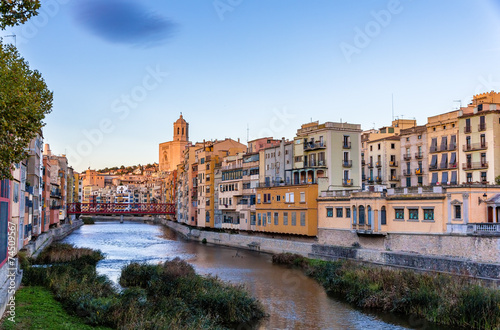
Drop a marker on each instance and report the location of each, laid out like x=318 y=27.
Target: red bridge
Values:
x=120 y=208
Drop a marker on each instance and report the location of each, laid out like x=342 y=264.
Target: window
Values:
x=378 y=146
x=428 y=214
x=420 y=137
x=276 y=219
x=340 y=212
x=361 y=215
x=393 y=146
x=469 y=177
x=399 y=214
x=302 y=197
x=383 y=216
x=269 y=217
x=278 y=198
x=420 y=180
x=413 y=214
x=252 y=219
x=371 y=148
x=302 y=219
x=264 y=219
x=294 y=218
x=285 y=218
x=483 y=176
x=458 y=211
x=347 y=212
x=329 y=212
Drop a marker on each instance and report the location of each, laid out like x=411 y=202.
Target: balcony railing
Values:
x=407 y=157
x=419 y=155
x=378 y=179
x=474 y=165
x=347 y=182
x=370 y=165
x=363 y=162
x=467 y=129
x=475 y=146
x=419 y=171
x=346 y=145
x=347 y=163
x=314 y=145
x=394 y=178
x=481 y=127
x=370 y=180
x=393 y=163
x=378 y=164
x=406 y=172
x=433 y=149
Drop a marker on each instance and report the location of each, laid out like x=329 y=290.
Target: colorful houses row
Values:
x=438 y=178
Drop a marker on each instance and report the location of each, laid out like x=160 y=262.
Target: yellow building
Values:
x=171 y=153
x=424 y=210
x=414 y=164
x=479 y=151
x=288 y=209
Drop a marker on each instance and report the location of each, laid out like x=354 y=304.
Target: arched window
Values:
x=354 y=214
x=183 y=131
x=369 y=211
x=361 y=215
x=178 y=130
x=383 y=217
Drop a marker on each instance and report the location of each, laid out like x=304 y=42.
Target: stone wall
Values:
x=473 y=247
x=375 y=250
x=35 y=247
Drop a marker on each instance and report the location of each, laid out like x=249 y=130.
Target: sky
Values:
x=122 y=71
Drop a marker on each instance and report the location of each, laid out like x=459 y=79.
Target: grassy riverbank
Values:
x=169 y=295
x=438 y=298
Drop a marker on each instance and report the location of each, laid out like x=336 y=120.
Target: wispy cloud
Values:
x=123 y=21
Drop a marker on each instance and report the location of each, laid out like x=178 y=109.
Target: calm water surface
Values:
x=293 y=300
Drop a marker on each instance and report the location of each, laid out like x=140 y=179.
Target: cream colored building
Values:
x=414 y=162
x=479 y=151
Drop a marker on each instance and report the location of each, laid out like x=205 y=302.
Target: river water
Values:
x=292 y=300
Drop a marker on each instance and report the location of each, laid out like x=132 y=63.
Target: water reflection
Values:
x=293 y=300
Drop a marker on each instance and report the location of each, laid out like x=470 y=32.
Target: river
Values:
x=293 y=300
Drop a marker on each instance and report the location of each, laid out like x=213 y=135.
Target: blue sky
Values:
x=123 y=70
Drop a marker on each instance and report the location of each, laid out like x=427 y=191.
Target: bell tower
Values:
x=181 y=128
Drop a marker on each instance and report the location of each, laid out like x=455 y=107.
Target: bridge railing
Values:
x=120 y=208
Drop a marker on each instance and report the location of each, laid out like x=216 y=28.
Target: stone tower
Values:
x=171 y=153
x=181 y=128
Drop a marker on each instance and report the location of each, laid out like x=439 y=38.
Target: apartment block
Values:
x=328 y=154
x=414 y=161
x=479 y=126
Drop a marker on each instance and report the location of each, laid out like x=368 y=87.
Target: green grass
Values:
x=36 y=308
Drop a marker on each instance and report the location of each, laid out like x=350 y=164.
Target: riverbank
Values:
x=489 y=272
x=439 y=298
x=166 y=295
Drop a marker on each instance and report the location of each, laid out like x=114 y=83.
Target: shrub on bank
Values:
x=167 y=295
x=440 y=298
x=88 y=221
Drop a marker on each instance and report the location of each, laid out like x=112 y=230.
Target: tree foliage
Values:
x=24 y=102
x=15 y=12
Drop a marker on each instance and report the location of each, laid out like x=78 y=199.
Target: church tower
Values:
x=181 y=130
x=171 y=153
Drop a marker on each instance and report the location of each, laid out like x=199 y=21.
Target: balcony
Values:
x=419 y=155
x=370 y=165
x=394 y=178
x=474 y=165
x=320 y=163
x=347 y=163
x=313 y=146
x=346 y=145
x=363 y=162
x=393 y=163
x=467 y=129
x=407 y=157
x=378 y=179
x=347 y=182
x=407 y=172
x=475 y=146
x=419 y=171
x=363 y=177
x=481 y=127
x=378 y=164
x=433 y=149
x=370 y=180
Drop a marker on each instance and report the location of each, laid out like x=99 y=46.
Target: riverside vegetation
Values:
x=443 y=299
x=168 y=295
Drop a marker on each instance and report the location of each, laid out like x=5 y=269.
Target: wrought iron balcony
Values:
x=419 y=155
x=347 y=163
x=475 y=146
x=393 y=163
x=347 y=182
x=475 y=165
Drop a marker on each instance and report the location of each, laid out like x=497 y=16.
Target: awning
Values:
x=434 y=142
x=444 y=161
x=453 y=177
x=453 y=140
x=444 y=178
x=434 y=161
x=434 y=178
x=453 y=159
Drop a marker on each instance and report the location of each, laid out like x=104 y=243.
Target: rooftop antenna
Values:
x=459 y=101
x=392 y=97
x=248 y=133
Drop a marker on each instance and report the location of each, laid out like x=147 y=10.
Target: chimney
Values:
x=46 y=150
x=238 y=140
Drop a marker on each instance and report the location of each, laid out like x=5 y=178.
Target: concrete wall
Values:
x=34 y=248
x=475 y=248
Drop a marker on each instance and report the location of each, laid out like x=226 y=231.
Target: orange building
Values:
x=171 y=153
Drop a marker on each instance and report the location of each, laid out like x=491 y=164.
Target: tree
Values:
x=24 y=102
x=15 y=12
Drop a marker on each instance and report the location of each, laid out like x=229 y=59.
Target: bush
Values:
x=88 y=221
